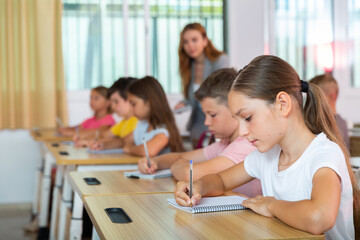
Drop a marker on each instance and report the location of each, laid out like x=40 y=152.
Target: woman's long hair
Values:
x=150 y=90
x=185 y=61
x=266 y=76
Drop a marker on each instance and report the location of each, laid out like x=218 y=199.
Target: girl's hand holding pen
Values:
x=97 y=145
x=181 y=194
x=81 y=143
x=144 y=167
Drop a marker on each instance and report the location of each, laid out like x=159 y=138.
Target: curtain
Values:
x=32 y=87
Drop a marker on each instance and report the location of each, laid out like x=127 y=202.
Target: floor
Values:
x=14 y=217
x=12 y=220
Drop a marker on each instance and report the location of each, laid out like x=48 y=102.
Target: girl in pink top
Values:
x=219 y=156
x=102 y=118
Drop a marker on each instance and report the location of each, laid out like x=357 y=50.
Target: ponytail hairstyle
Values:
x=265 y=76
x=150 y=90
x=185 y=61
x=103 y=91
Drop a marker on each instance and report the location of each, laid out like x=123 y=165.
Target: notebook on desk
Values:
x=106 y=151
x=68 y=143
x=158 y=174
x=212 y=204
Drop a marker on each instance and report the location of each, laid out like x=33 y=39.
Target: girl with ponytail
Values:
x=301 y=160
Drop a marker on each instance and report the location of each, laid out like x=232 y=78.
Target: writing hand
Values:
x=144 y=168
x=181 y=194
x=96 y=146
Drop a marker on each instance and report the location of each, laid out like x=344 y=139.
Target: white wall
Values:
x=19 y=156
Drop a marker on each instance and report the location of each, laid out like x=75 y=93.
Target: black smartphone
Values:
x=91 y=181
x=55 y=144
x=63 y=153
x=118 y=215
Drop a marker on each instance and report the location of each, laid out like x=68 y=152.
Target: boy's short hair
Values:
x=327 y=83
x=121 y=86
x=217 y=85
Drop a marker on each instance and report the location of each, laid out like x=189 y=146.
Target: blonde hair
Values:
x=185 y=61
x=266 y=76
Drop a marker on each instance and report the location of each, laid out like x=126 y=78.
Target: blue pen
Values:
x=191 y=181
x=146 y=152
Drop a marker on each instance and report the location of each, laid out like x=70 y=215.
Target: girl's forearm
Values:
x=303 y=215
x=167 y=160
x=180 y=170
x=113 y=143
x=211 y=185
x=137 y=150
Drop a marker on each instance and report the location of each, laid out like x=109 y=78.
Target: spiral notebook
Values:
x=106 y=151
x=213 y=204
x=158 y=174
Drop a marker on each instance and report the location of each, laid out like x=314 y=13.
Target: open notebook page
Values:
x=212 y=204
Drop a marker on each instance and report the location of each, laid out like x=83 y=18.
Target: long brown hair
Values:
x=103 y=91
x=185 y=61
x=150 y=90
x=265 y=76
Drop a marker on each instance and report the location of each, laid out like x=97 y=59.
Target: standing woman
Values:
x=198 y=58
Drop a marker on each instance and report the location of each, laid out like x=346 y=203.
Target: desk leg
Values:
x=39 y=170
x=95 y=235
x=65 y=202
x=76 y=221
x=45 y=193
x=55 y=202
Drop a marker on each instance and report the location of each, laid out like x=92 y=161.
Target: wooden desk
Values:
x=42 y=135
x=77 y=159
x=81 y=156
x=154 y=218
x=48 y=134
x=115 y=183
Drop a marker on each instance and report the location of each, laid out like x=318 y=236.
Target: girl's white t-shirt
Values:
x=295 y=183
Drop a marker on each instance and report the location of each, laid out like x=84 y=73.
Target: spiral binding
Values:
x=217 y=208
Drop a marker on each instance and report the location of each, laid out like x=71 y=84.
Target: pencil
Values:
x=191 y=181
x=146 y=152
x=59 y=122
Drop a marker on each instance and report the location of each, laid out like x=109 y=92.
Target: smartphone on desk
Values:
x=92 y=181
x=118 y=215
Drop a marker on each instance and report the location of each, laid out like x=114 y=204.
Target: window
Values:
x=354 y=40
x=106 y=39
x=304 y=35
